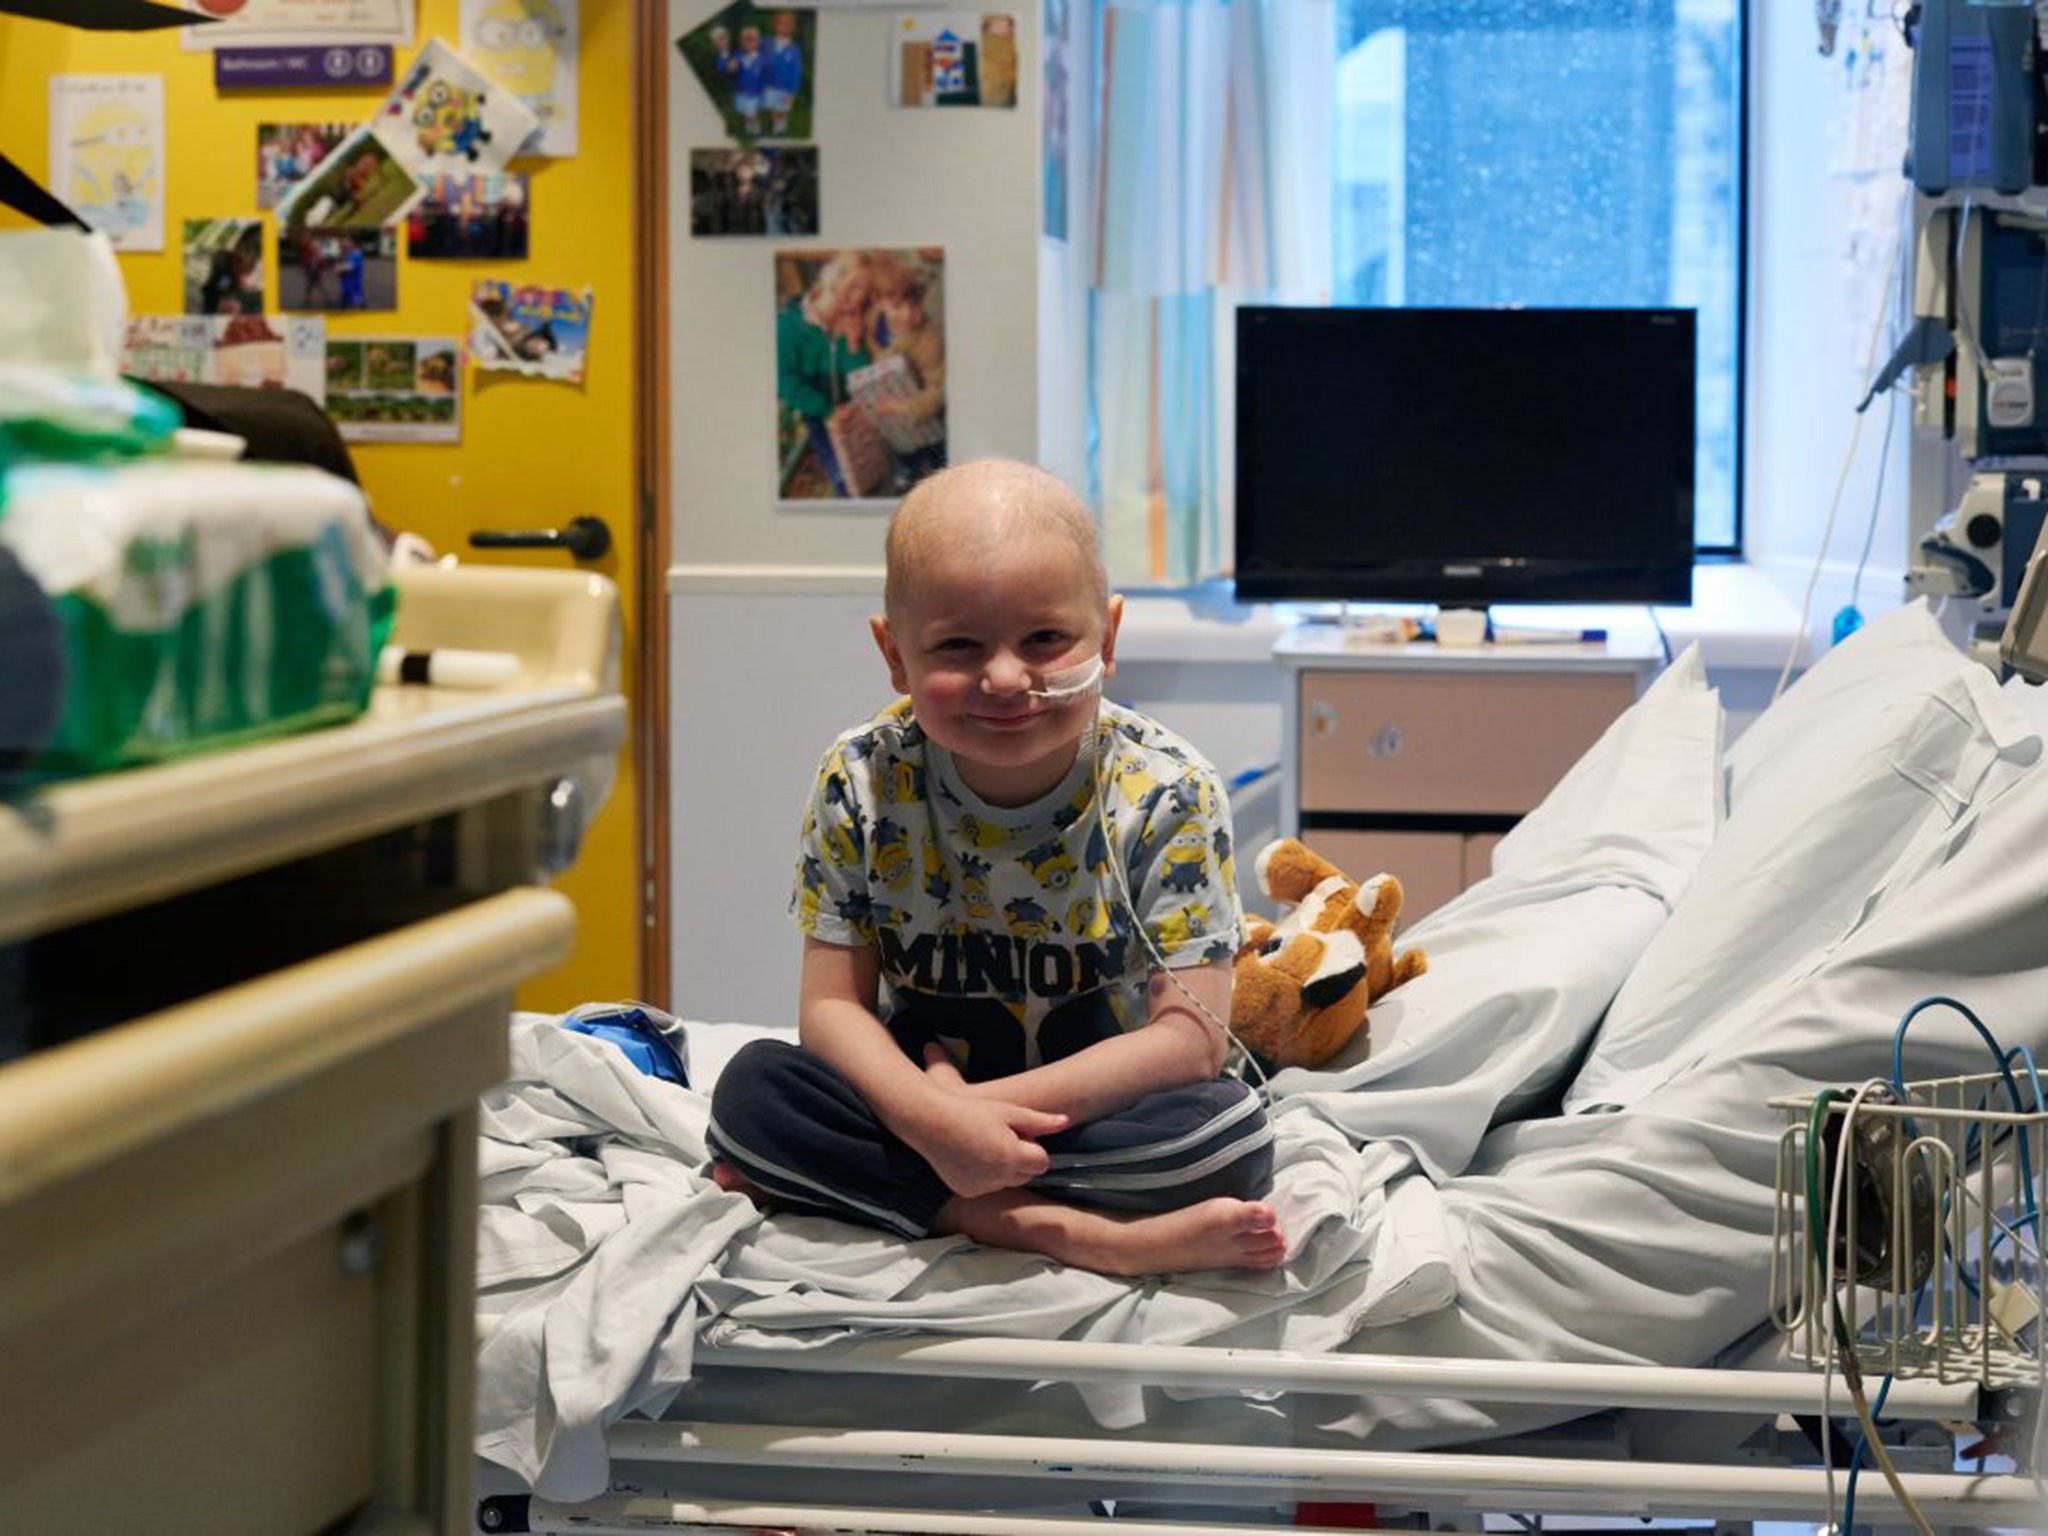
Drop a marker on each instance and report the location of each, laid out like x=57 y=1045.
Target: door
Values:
x=532 y=455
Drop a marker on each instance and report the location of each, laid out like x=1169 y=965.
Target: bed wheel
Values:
x=506 y=1512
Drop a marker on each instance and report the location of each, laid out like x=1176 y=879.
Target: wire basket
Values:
x=1934 y=1268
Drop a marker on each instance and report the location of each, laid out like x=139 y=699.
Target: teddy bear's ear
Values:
x=1288 y=870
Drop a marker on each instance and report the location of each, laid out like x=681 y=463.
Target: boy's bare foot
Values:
x=733 y=1182
x=1223 y=1233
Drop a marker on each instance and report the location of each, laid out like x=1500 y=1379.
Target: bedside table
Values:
x=1416 y=758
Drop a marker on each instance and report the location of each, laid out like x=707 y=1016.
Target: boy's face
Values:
x=750 y=39
x=985 y=627
x=903 y=312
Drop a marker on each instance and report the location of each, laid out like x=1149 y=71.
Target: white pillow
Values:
x=1523 y=964
x=1882 y=763
x=1903 y=653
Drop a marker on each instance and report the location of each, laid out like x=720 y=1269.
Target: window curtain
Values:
x=1212 y=189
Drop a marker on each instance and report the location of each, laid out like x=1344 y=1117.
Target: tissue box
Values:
x=157 y=608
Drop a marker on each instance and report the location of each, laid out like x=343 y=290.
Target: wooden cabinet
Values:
x=1417 y=759
x=247 y=1003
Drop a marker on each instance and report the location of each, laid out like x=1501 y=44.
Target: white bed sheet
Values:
x=605 y=1251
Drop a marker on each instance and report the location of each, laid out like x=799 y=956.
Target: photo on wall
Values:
x=754 y=189
x=470 y=218
x=541 y=332
x=287 y=153
x=954 y=59
x=359 y=183
x=396 y=389
x=758 y=65
x=337 y=269
x=860 y=371
x=223 y=262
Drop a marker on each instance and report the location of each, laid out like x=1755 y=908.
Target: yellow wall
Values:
x=532 y=453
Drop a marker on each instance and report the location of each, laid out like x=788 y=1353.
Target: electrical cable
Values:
x=1894 y=266
x=1844 y=1352
x=1884 y=458
x=1657 y=623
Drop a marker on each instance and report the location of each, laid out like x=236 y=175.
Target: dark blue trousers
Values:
x=788 y=1121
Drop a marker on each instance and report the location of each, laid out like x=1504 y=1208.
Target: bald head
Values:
x=977 y=507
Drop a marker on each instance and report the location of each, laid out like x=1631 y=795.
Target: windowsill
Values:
x=1739 y=616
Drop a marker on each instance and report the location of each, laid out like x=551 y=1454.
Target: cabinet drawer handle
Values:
x=1322 y=717
x=1388 y=743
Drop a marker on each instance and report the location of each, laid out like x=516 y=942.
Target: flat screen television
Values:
x=1465 y=456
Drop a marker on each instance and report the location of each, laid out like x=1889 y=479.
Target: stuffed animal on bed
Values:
x=1302 y=987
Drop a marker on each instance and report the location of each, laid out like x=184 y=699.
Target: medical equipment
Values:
x=2024 y=644
x=1974 y=69
x=1070 y=683
x=1980 y=549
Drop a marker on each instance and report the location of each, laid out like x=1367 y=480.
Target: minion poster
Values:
x=107 y=154
x=529 y=47
x=447 y=115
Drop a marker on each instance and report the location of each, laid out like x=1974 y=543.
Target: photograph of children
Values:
x=462 y=217
x=754 y=190
x=223 y=267
x=757 y=64
x=543 y=333
x=396 y=389
x=288 y=152
x=954 y=59
x=337 y=268
x=359 y=183
x=860 y=371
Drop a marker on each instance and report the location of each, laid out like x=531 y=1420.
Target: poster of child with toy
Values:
x=543 y=333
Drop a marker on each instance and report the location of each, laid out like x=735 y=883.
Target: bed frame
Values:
x=908 y=1481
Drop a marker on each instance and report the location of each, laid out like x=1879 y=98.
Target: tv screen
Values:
x=1465 y=456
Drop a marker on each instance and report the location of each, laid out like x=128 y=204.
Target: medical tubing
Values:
x=1232 y=1046
x=1851 y=1368
x=1848 y=1525
x=2012 y=1087
x=1842 y=480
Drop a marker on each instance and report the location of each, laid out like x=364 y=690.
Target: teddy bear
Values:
x=1302 y=987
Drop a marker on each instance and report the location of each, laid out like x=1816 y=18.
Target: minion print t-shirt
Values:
x=1002 y=932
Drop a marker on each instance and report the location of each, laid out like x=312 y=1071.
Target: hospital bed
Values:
x=1533 y=1228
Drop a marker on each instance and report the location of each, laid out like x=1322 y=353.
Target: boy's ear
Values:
x=899 y=678
x=1112 y=617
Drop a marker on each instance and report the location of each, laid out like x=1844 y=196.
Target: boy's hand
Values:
x=978 y=1146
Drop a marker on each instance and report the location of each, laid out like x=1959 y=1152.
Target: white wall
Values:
x=963 y=179
x=768 y=603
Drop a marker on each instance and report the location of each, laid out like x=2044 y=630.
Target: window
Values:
x=1552 y=152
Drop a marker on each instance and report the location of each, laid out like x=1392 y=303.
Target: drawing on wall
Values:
x=288 y=152
x=1053 y=124
x=223 y=261
x=396 y=389
x=107 y=154
x=470 y=217
x=860 y=371
x=754 y=189
x=298 y=23
x=757 y=64
x=338 y=268
x=447 y=115
x=543 y=333
x=954 y=59
x=267 y=351
x=529 y=47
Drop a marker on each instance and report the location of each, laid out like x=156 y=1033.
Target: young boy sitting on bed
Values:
x=990 y=1045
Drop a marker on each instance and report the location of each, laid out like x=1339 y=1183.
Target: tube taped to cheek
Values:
x=1070 y=683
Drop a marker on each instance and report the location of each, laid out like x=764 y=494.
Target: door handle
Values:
x=587 y=538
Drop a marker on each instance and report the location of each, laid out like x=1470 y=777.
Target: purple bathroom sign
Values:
x=302 y=65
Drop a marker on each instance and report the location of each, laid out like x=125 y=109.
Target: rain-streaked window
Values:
x=1552 y=152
